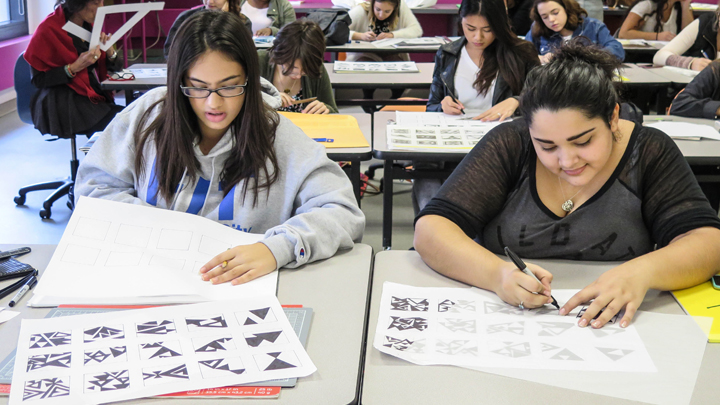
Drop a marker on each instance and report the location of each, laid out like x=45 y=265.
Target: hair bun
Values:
x=582 y=49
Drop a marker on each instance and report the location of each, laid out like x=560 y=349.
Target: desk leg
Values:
x=129 y=97
x=355 y=178
x=387 y=203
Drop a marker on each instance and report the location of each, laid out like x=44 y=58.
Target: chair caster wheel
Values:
x=20 y=200
x=45 y=214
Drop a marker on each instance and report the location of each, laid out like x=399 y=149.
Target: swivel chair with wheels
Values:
x=25 y=91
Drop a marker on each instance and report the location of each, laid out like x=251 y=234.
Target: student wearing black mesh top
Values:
x=573 y=181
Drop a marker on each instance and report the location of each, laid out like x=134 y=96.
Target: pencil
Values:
x=305 y=100
x=451 y=95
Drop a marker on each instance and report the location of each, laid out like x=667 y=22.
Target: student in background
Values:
x=232 y=6
x=268 y=16
x=695 y=47
x=700 y=98
x=658 y=20
x=68 y=73
x=294 y=65
x=558 y=21
x=594 y=8
x=206 y=144
x=482 y=71
x=572 y=180
x=519 y=13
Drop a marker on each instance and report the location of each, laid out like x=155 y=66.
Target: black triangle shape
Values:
x=249 y=321
x=279 y=365
x=260 y=313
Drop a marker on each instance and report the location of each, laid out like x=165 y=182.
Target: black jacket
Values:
x=701 y=98
x=706 y=38
x=446 y=61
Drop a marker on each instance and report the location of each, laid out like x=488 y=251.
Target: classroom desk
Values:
x=390 y=380
x=337 y=289
x=678 y=80
x=363 y=46
x=705 y=155
x=436 y=9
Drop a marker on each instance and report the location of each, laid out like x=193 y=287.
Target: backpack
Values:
x=334 y=23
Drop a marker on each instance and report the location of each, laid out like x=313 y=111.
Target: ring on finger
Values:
x=521 y=305
x=224 y=264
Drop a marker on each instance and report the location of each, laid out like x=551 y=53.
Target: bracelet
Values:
x=68 y=71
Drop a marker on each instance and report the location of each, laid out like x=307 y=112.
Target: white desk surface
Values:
x=636 y=75
x=669 y=74
x=389 y=380
x=337 y=291
x=422 y=79
x=365 y=46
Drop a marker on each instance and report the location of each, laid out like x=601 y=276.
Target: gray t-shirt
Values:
x=650 y=198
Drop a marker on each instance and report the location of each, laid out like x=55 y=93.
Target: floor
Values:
x=27 y=157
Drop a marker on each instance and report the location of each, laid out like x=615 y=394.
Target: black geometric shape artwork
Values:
x=107 y=381
x=107 y=354
x=566 y=354
x=156 y=328
x=456 y=347
x=255 y=339
x=256 y=316
x=408 y=323
x=103 y=332
x=491 y=308
x=278 y=364
x=517 y=328
x=512 y=349
x=457 y=306
x=46 y=388
x=49 y=339
x=154 y=375
x=409 y=304
x=458 y=324
x=48 y=360
x=614 y=354
x=611 y=321
x=222 y=365
x=214 y=345
x=397 y=344
x=214 y=322
x=160 y=350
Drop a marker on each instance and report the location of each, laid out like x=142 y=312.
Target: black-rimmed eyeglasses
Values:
x=228 y=91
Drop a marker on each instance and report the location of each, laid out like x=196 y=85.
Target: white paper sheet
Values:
x=438 y=119
x=149 y=73
x=121 y=355
x=375 y=67
x=461 y=138
x=6 y=315
x=684 y=72
x=118 y=253
x=474 y=328
x=141 y=10
x=400 y=42
x=685 y=130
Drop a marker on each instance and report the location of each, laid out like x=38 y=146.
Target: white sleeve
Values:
x=679 y=45
x=408 y=26
x=643 y=8
x=358 y=15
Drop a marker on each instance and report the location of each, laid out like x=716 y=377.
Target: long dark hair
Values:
x=507 y=54
x=301 y=39
x=72 y=6
x=658 y=13
x=580 y=77
x=575 y=17
x=176 y=126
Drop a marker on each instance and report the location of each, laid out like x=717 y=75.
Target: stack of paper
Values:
x=685 y=130
x=431 y=130
x=118 y=253
x=375 y=67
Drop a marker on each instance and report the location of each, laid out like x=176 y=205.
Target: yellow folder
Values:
x=342 y=129
x=702 y=300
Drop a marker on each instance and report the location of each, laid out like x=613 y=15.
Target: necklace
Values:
x=568 y=205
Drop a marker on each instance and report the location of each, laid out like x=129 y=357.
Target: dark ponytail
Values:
x=580 y=76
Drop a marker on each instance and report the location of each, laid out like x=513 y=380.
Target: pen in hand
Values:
x=451 y=94
x=521 y=265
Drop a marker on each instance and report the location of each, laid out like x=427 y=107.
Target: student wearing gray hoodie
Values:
x=208 y=145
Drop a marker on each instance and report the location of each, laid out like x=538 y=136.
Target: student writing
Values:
x=558 y=21
x=657 y=20
x=573 y=181
x=381 y=19
x=232 y=6
x=207 y=144
x=700 y=98
x=695 y=46
x=294 y=65
x=68 y=73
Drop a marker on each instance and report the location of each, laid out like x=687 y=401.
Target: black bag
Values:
x=334 y=23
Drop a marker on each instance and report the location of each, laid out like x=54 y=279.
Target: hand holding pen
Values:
x=452 y=105
x=535 y=288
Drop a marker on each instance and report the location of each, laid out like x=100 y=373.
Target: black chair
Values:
x=25 y=91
